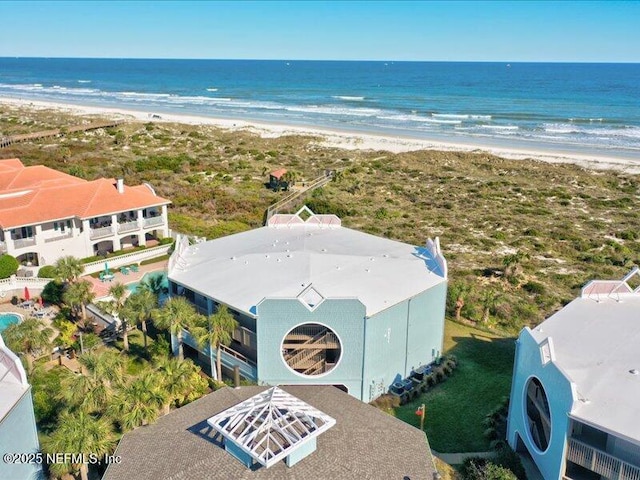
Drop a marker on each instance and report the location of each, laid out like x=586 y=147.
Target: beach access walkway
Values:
x=7 y=141
x=317 y=182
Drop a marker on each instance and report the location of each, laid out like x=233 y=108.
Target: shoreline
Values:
x=340 y=139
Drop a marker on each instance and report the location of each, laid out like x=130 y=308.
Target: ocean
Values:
x=565 y=107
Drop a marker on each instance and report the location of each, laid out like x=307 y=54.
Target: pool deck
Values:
x=101 y=289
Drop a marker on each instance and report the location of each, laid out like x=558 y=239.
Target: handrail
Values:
x=128 y=226
x=600 y=461
x=100 y=232
x=7 y=141
x=315 y=183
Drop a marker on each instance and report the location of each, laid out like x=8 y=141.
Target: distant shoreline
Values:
x=341 y=139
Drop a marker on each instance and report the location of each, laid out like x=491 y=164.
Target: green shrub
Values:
x=52 y=292
x=48 y=271
x=8 y=266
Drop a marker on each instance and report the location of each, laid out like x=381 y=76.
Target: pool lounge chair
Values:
x=133 y=268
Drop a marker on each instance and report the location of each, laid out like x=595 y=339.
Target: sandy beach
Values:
x=338 y=139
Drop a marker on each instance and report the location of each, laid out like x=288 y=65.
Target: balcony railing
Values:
x=101 y=232
x=128 y=226
x=600 y=462
x=69 y=234
x=152 y=221
x=24 y=242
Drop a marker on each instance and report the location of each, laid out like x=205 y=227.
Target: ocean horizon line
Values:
x=452 y=62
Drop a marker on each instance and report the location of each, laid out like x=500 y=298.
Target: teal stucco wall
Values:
x=276 y=317
x=18 y=435
x=560 y=395
x=415 y=326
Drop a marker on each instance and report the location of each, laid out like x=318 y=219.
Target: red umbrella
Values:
x=41 y=302
x=26 y=294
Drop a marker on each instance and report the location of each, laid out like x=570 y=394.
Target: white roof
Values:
x=596 y=343
x=285 y=258
x=13 y=379
x=271 y=425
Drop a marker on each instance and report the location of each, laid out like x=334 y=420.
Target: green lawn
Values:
x=456 y=408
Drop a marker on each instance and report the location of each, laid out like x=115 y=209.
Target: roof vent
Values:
x=233 y=258
x=634 y=371
x=120 y=185
x=266 y=256
x=279 y=260
x=324 y=249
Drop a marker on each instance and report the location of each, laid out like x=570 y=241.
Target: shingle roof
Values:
x=31 y=195
x=365 y=443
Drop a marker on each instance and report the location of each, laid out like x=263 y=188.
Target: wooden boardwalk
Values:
x=7 y=141
x=312 y=185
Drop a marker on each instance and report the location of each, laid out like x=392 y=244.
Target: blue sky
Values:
x=589 y=31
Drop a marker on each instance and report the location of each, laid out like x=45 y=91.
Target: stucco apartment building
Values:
x=318 y=303
x=46 y=214
x=18 y=434
x=575 y=398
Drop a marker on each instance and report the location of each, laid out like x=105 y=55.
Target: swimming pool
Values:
x=133 y=287
x=7 y=319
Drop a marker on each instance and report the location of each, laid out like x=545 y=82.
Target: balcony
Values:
x=24 y=242
x=62 y=236
x=101 y=232
x=600 y=462
x=153 y=221
x=128 y=226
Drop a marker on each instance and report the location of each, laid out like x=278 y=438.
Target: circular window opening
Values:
x=311 y=349
x=538 y=415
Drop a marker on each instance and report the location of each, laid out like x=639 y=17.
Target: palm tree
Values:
x=119 y=294
x=218 y=331
x=102 y=374
x=68 y=269
x=155 y=284
x=181 y=380
x=80 y=432
x=490 y=299
x=78 y=295
x=27 y=338
x=176 y=314
x=139 y=402
x=137 y=309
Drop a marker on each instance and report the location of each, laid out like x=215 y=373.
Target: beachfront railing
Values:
x=24 y=242
x=59 y=237
x=17 y=284
x=128 y=226
x=600 y=462
x=153 y=221
x=127 y=259
x=101 y=232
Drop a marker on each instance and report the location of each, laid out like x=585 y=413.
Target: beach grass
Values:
x=456 y=407
x=520 y=236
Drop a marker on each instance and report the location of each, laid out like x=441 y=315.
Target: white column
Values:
x=165 y=222
x=37 y=233
x=116 y=240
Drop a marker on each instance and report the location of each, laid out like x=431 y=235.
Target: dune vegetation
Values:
x=521 y=236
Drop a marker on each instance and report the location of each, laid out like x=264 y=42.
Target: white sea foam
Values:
x=417 y=118
x=461 y=116
x=212 y=89
x=501 y=127
x=349 y=98
x=84 y=81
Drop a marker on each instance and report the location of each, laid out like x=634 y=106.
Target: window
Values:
x=311 y=349
x=538 y=414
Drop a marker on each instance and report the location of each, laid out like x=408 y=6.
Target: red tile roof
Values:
x=278 y=173
x=32 y=195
